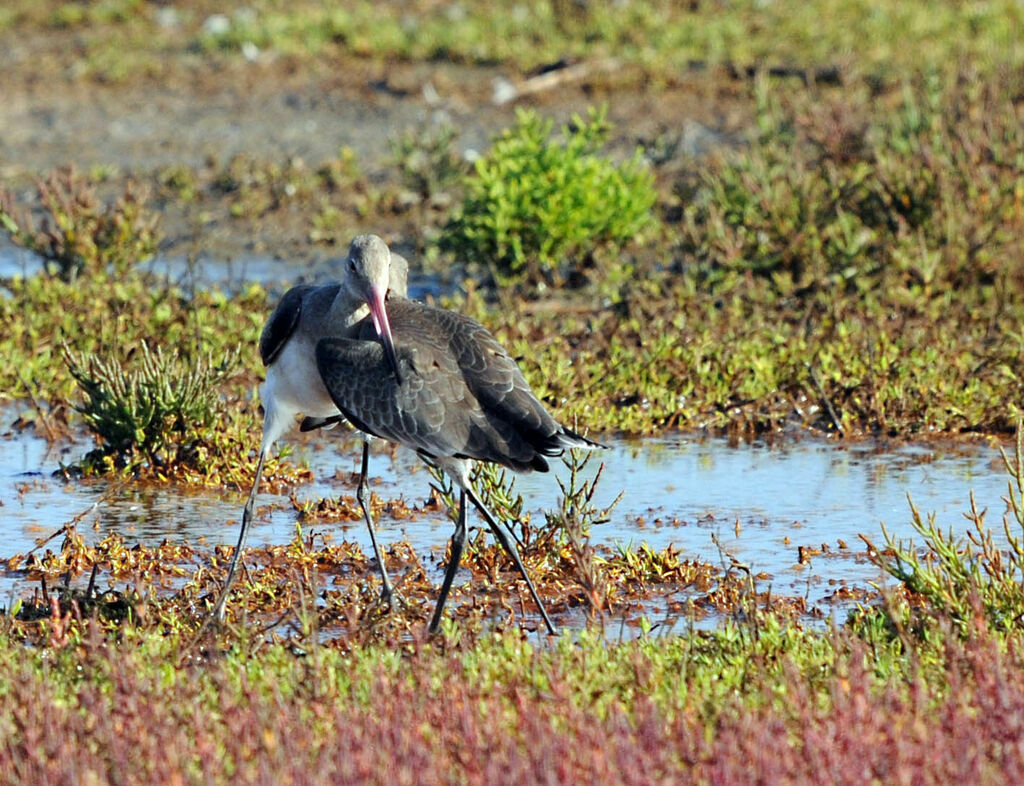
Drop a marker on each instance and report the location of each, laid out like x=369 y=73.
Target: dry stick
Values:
x=558 y=77
x=828 y=403
x=50 y=433
x=65 y=528
x=92 y=581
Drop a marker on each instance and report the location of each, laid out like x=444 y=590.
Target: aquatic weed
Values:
x=567 y=530
x=156 y=411
x=973 y=581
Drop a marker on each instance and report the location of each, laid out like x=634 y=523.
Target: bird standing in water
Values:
x=305 y=316
x=438 y=382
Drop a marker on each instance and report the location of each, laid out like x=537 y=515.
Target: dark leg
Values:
x=458 y=542
x=387 y=592
x=509 y=545
x=218 y=610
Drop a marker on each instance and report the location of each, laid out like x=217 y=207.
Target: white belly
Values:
x=293 y=387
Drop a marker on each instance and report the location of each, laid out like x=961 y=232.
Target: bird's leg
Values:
x=509 y=545
x=458 y=542
x=218 y=610
x=387 y=592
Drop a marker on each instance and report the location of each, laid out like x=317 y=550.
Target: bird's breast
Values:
x=294 y=383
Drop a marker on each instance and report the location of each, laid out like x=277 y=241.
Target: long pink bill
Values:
x=383 y=328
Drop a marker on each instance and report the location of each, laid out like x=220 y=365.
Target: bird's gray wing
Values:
x=497 y=382
x=282 y=323
x=504 y=394
x=465 y=396
x=421 y=413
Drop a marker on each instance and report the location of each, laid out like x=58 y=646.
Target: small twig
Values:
x=92 y=581
x=63 y=529
x=552 y=79
x=828 y=403
x=51 y=435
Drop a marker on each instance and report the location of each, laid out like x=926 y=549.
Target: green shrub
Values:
x=159 y=413
x=535 y=206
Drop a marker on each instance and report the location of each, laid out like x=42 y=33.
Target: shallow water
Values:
x=228 y=275
x=760 y=502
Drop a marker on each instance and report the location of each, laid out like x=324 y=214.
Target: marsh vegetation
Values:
x=841 y=255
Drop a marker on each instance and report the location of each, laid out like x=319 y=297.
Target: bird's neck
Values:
x=348 y=308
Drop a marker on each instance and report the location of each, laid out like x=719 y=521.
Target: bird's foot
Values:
x=392 y=599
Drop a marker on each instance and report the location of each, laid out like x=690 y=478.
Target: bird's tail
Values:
x=567 y=439
x=555 y=445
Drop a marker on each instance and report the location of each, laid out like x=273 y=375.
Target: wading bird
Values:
x=440 y=383
x=305 y=316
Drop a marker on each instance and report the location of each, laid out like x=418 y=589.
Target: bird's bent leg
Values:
x=458 y=543
x=509 y=545
x=387 y=592
x=218 y=610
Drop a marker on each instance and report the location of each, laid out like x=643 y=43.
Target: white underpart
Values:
x=456 y=468
x=293 y=387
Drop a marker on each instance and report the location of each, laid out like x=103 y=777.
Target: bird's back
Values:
x=303 y=309
x=462 y=394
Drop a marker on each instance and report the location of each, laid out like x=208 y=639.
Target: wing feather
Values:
x=462 y=394
x=282 y=324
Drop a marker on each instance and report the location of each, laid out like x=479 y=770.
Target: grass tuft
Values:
x=156 y=412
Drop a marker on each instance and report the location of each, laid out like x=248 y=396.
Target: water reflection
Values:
x=228 y=275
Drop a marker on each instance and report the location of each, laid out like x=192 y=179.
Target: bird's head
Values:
x=367 y=274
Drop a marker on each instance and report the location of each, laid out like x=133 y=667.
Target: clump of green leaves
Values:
x=157 y=412
x=537 y=208
x=971 y=579
x=80 y=234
